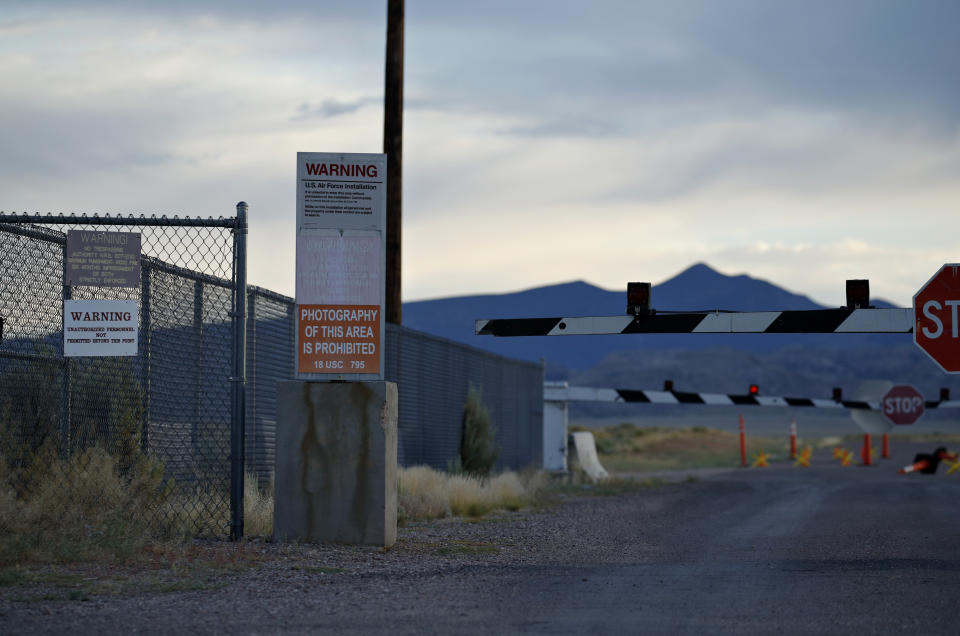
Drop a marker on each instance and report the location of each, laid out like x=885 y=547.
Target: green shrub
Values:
x=478 y=450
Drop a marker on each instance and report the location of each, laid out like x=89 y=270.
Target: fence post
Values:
x=145 y=329
x=252 y=454
x=65 y=414
x=198 y=369
x=238 y=375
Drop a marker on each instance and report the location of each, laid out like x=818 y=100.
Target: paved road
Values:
x=858 y=551
x=779 y=550
x=823 y=550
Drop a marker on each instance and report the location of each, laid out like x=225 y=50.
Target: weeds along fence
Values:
x=197 y=405
x=176 y=408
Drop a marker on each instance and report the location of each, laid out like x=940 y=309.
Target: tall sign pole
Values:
x=393 y=149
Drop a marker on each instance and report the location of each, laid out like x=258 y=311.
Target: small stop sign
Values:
x=936 y=328
x=902 y=404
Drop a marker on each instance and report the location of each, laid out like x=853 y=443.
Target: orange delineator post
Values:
x=885 y=453
x=793 y=439
x=867 y=459
x=743 y=444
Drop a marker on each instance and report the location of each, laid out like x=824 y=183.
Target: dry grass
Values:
x=84 y=508
x=257 y=508
x=425 y=493
x=87 y=508
x=629 y=448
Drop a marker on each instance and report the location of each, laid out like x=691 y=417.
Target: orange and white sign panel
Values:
x=338 y=339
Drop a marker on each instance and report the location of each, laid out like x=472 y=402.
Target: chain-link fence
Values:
x=168 y=419
x=434 y=375
x=183 y=418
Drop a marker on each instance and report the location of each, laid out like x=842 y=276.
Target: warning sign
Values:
x=341 y=190
x=99 y=328
x=103 y=259
x=339 y=339
x=341 y=214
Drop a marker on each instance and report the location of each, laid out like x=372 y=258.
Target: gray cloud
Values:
x=886 y=61
x=561 y=128
x=334 y=107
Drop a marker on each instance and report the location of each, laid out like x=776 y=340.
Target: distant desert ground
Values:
x=812 y=423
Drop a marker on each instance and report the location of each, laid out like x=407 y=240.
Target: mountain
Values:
x=697 y=288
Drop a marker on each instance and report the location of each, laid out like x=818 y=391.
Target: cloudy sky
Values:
x=544 y=141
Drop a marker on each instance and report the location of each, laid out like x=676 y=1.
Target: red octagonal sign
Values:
x=902 y=404
x=935 y=322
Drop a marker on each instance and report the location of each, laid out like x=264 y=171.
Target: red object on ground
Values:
x=924 y=463
x=743 y=444
x=865 y=453
x=920 y=465
x=935 y=316
x=885 y=453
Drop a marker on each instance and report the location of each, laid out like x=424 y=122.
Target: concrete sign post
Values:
x=336 y=456
x=341 y=216
x=902 y=404
x=936 y=325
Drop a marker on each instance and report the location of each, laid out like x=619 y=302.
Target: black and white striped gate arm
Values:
x=591 y=394
x=841 y=320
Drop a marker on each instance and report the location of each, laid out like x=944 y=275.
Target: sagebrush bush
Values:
x=428 y=494
x=422 y=493
x=85 y=507
x=478 y=450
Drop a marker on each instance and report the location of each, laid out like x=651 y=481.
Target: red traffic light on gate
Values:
x=754 y=389
x=638 y=299
x=858 y=294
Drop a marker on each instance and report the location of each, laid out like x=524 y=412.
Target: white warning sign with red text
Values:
x=341 y=216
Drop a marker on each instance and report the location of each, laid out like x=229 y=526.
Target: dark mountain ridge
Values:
x=697 y=288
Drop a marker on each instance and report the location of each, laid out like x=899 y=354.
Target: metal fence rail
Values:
x=175 y=403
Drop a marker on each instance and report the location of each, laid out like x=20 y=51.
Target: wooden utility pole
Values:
x=393 y=148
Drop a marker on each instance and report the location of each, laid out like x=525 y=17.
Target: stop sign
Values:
x=935 y=322
x=902 y=404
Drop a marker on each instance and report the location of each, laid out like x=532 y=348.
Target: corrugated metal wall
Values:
x=433 y=377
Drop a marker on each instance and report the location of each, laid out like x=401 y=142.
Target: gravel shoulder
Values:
x=259 y=586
